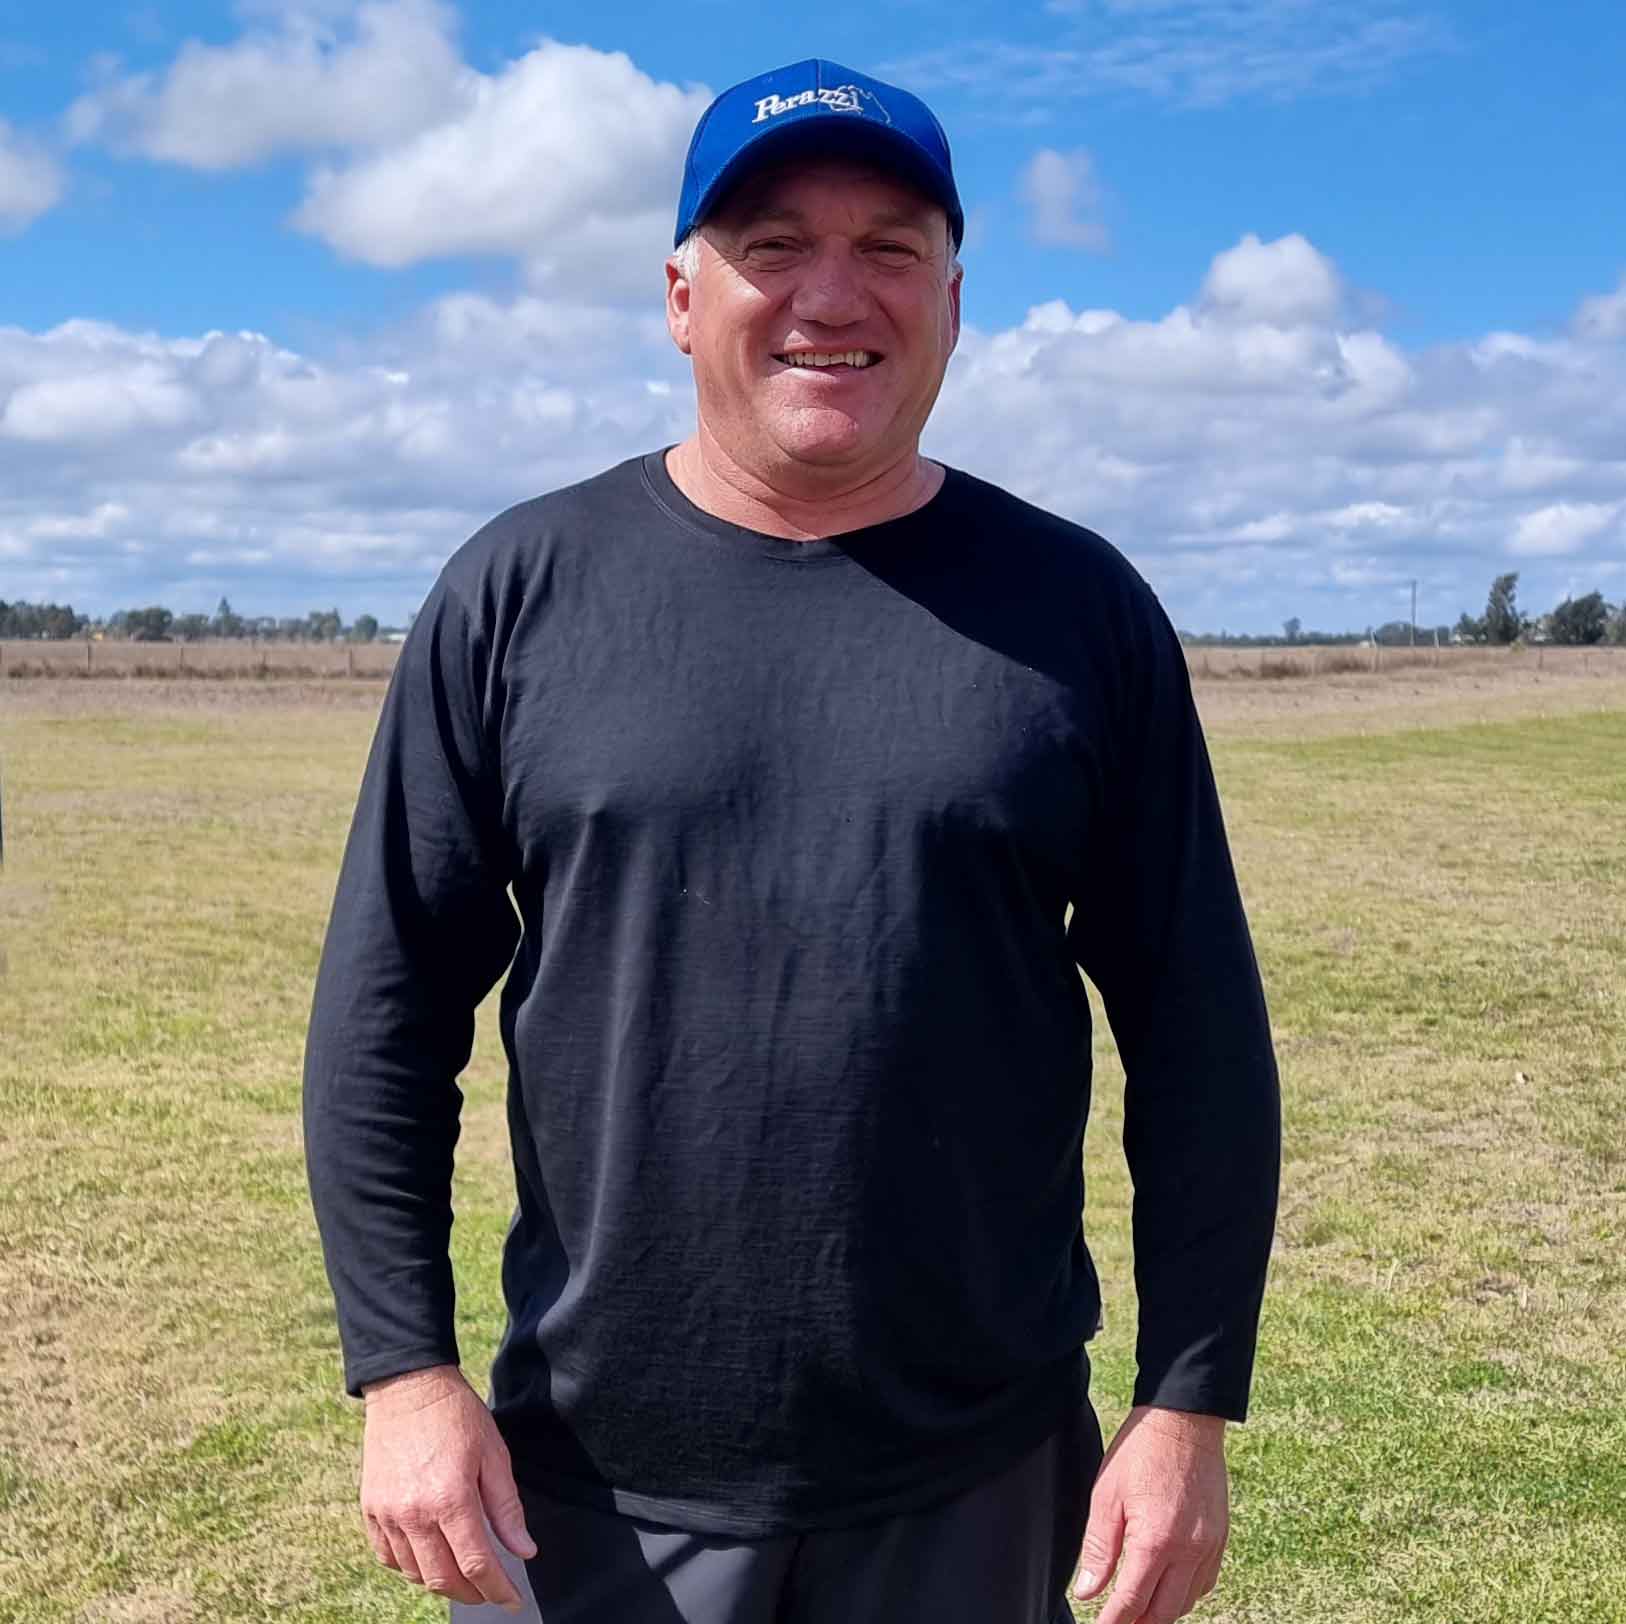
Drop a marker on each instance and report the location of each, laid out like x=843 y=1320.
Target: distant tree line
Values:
x=156 y=624
x=55 y=620
x=1587 y=620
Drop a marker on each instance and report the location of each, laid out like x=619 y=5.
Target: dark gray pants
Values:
x=1001 y=1552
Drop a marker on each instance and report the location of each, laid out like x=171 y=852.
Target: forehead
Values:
x=802 y=186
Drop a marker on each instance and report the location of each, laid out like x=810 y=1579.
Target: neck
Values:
x=703 y=470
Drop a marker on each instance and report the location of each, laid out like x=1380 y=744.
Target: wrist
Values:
x=1189 y=1426
x=413 y=1387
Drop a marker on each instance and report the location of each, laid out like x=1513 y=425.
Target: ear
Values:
x=678 y=293
x=954 y=305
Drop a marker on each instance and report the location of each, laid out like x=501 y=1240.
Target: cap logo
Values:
x=838 y=98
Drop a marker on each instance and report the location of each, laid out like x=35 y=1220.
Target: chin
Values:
x=843 y=442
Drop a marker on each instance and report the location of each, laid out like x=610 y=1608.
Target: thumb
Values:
x=1103 y=1541
x=500 y=1498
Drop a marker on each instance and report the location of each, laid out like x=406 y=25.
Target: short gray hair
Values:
x=687 y=255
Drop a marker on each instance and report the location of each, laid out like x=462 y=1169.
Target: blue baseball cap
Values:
x=815 y=108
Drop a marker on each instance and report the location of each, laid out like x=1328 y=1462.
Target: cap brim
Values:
x=822 y=135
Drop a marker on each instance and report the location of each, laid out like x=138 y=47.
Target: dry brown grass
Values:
x=240 y=659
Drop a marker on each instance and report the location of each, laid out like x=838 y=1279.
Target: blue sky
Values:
x=1295 y=300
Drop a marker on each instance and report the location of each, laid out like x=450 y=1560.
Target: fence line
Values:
x=1271 y=661
x=204 y=660
x=251 y=660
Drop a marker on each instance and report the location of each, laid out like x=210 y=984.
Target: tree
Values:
x=150 y=625
x=365 y=628
x=53 y=620
x=190 y=628
x=324 y=625
x=1503 y=622
x=1469 y=630
x=1581 y=620
x=1617 y=625
x=227 y=623
x=1291 y=627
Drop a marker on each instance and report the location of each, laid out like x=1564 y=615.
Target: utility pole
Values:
x=1414 y=614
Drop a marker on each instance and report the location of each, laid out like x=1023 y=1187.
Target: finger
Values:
x=1207 y=1577
x=477 y=1562
x=1133 y=1591
x=380 y=1541
x=401 y=1549
x=499 y=1496
x=442 y=1574
x=1172 y=1598
x=1103 y=1540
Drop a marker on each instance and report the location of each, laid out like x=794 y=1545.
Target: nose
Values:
x=831 y=288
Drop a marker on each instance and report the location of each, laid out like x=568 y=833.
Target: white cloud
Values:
x=1254 y=457
x=1284 y=283
x=1267 y=461
x=1528 y=465
x=1565 y=527
x=312 y=79
x=30 y=180
x=569 y=158
x=1197 y=53
x=1062 y=194
x=150 y=467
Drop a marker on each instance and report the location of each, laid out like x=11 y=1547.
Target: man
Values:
x=794 y=748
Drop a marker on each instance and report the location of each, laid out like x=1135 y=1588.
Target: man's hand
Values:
x=1160 y=1502
x=432 y=1461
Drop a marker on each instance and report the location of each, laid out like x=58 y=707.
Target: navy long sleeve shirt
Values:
x=776 y=841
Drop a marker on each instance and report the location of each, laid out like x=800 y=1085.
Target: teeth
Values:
x=820 y=358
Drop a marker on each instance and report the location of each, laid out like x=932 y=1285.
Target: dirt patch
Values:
x=146 y=1607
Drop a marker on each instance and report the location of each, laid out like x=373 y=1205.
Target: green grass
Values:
x=1437 y=1429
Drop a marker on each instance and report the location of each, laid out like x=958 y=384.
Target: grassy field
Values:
x=1435 y=866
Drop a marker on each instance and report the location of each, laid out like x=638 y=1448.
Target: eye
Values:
x=893 y=251
x=772 y=245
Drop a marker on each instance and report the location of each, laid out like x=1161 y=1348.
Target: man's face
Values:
x=818 y=257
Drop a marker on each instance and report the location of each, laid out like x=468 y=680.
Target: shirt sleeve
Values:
x=421 y=929
x=1162 y=934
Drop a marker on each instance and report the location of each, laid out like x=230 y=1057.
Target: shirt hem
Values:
x=797 y=1512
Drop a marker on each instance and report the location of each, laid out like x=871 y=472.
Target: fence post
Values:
x=349 y=661
x=1375 y=648
x=89 y=646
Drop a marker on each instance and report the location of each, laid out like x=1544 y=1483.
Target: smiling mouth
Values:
x=830 y=360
